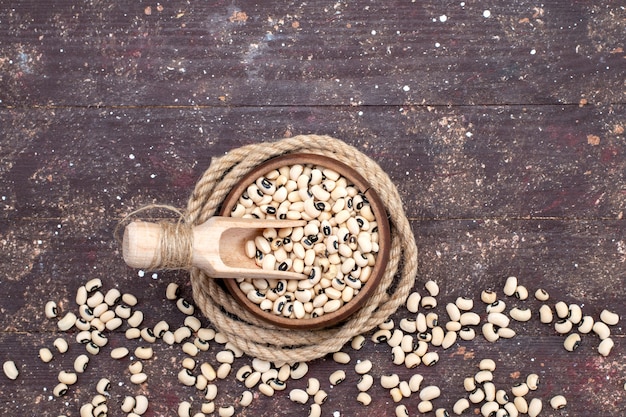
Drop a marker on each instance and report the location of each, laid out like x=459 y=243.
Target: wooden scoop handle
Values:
x=141 y=247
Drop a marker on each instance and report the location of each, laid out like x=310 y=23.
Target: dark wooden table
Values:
x=501 y=124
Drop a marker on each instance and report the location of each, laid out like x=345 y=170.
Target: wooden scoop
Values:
x=217 y=246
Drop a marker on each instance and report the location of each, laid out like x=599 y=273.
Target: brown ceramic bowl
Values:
x=378 y=208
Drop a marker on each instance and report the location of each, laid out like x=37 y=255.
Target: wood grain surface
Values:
x=501 y=124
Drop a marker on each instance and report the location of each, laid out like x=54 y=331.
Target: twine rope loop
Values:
x=265 y=341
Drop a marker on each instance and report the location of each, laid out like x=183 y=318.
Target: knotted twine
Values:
x=265 y=341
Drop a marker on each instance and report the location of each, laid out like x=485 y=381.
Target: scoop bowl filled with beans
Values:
x=343 y=248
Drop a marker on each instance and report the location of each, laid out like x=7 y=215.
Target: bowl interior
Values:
x=378 y=208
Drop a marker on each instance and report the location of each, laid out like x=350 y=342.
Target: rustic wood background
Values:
x=501 y=123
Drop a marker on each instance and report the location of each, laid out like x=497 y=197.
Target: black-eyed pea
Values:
x=60 y=389
x=181 y=334
x=506 y=333
x=425 y=406
x=521 y=293
x=441 y=412
x=422 y=348
x=45 y=355
x=561 y=309
x=432 y=288
x=139 y=378
x=498 y=319
x=298 y=396
x=412 y=360
x=413 y=302
x=80 y=363
x=521 y=404
x=453 y=326
x=312 y=386
x=488 y=296
x=128 y=404
x=92 y=348
x=401 y=411
x=389 y=381
x=476 y=396
x=496 y=307
x=601 y=329
x=586 y=325
x=172 y=291
x=404 y=388
x=10 y=370
x=266 y=389
x=563 y=326
x=572 y=342
x=398 y=355
x=396 y=394
x=430 y=358
x=608 y=317
x=467 y=333
x=95 y=299
x=83 y=337
x=245 y=399
x=545 y=314
x=575 y=314
x=271 y=374
x=502 y=413
x=511 y=409
x=51 y=309
x=315 y=410
x=184 y=409
x=489 y=408
x=201 y=382
x=520 y=314
x=483 y=376
x=82 y=324
x=135 y=319
x=185 y=377
x=208 y=407
x=469 y=384
x=67 y=378
x=532 y=380
x=363 y=367
x=67 y=322
x=542 y=295
x=432 y=320
x=210 y=392
x=225 y=356
x=502 y=397
x=135 y=367
x=113 y=324
x=460 y=406
x=364 y=398
x=429 y=393
x=188 y=363
x=86 y=410
x=520 y=389
x=510 y=285
x=185 y=306
x=449 y=339
x=365 y=382
x=144 y=352
x=337 y=377
x=141 y=404
x=299 y=370
x=119 y=353
x=464 y=303
x=415 y=382
x=487 y=365
x=490 y=391
x=428 y=302
x=223 y=370
x=534 y=407
x=605 y=346
x=341 y=357
x=252 y=379
x=453 y=312
x=242 y=373
x=557 y=402
x=321 y=397
x=469 y=319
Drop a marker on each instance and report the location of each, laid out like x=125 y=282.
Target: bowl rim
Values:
x=384 y=239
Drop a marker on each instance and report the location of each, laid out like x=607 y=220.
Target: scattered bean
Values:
x=10 y=370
